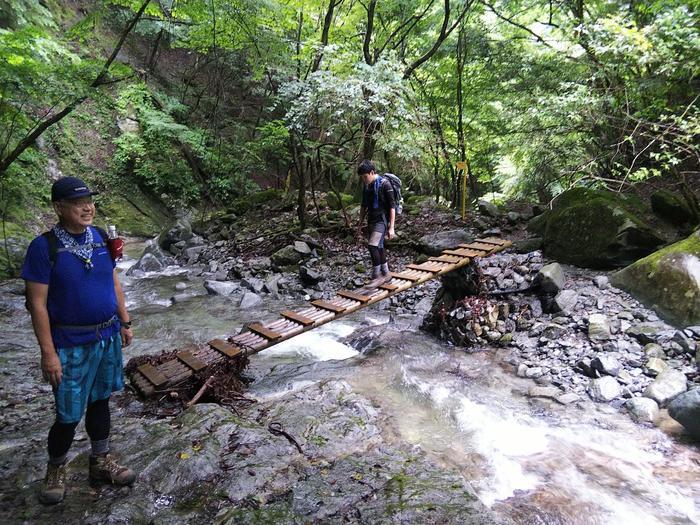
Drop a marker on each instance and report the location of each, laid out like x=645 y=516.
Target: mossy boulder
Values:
x=251 y=200
x=334 y=204
x=598 y=229
x=668 y=281
x=671 y=207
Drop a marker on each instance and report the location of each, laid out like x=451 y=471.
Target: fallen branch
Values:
x=201 y=391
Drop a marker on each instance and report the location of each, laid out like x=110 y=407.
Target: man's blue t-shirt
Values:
x=77 y=296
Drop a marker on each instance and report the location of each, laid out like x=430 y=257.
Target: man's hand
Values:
x=127 y=335
x=391 y=233
x=51 y=368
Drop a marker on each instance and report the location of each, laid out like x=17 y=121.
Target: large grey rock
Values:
x=643 y=409
x=598 y=327
x=551 y=278
x=489 y=209
x=147 y=263
x=668 y=281
x=253 y=284
x=180 y=230
x=287 y=256
x=667 y=385
x=606 y=364
x=565 y=301
x=436 y=243
x=604 y=389
x=302 y=247
x=309 y=276
x=598 y=229
x=224 y=288
x=645 y=333
x=685 y=409
x=249 y=300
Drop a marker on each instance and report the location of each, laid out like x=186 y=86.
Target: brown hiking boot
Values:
x=54 y=486
x=105 y=468
x=377 y=281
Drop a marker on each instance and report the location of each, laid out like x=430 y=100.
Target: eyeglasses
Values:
x=79 y=203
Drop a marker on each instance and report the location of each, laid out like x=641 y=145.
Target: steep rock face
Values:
x=671 y=207
x=597 y=229
x=668 y=281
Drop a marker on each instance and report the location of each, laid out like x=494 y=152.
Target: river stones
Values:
x=551 y=278
x=604 y=389
x=642 y=409
x=606 y=364
x=598 y=327
x=685 y=409
x=250 y=299
x=224 y=288
x=667 y=385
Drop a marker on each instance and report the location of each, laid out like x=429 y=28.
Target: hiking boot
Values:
x=105 y=468
x=377 y=281
x=54 y=487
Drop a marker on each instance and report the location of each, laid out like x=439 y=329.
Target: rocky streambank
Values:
x=573 y=334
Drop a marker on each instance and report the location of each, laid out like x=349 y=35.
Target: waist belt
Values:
x=87 y=327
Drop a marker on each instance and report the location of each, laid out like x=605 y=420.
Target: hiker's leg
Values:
x=376 y=236
x=97 y=424
x=59 y=441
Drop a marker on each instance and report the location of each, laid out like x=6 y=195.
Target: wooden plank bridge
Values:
x=151 y=379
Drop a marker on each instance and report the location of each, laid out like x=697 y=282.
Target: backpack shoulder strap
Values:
x=50 y=237
x=102 y=233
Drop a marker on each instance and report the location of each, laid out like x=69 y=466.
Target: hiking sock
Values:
x=374 y=254
x=59 y=441
x=385 y=268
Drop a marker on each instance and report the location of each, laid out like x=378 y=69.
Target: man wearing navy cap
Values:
x=81 y=322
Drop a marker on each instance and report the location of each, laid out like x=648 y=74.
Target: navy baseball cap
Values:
x=70 y=188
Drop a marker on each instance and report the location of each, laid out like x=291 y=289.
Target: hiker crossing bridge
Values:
x=151 y=379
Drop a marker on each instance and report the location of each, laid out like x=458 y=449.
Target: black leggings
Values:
x=97 y=422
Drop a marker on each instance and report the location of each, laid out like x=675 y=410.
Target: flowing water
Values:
x=531 y=460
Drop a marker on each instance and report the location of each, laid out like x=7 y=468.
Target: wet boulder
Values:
x=436 y=243
x=180 y=230
x=667 y=280
x=642 y=409
x=597 y=229
x=224 y=288
x=550 y=278
x=667 y=385
x=604 y=389
x=154 y=259
x=686 y=410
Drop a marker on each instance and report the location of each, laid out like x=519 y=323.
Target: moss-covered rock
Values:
x=242 y=205
x=667 y=280
x=334 y=204
x=598 y=229
x=671 y=207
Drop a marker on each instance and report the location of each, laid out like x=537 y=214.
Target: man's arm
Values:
x=363 y=212
x=392 y=217
x=37 y=294
x=126 y=333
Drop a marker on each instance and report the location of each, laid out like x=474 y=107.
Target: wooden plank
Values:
x=225 y=348
x=320 y=303
x=406 y=276
x=297 y=318
x=191 y=361
x=389 y=287
x=494 y=241
x=424 y=267
x=450 y=259
x=259 y=329
x=151 y=373
x=466 y=253
x=354 y=296
x=477 y=246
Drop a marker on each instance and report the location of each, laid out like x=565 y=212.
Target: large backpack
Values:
x=396 y=186
x=53 y=242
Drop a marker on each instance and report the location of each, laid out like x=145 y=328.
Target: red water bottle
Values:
x=115 y=245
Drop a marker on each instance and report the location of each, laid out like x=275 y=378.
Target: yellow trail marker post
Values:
x=462 y=166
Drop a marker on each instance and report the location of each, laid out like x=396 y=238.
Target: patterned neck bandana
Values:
x=81 y=251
